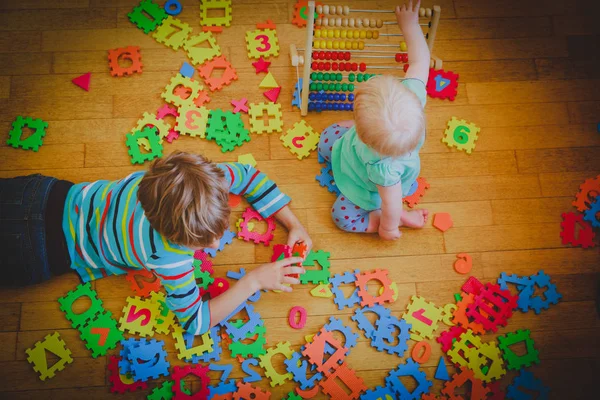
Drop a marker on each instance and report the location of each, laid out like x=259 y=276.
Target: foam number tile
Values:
x=166 y=319
x=132 y=141
x=139 y=316
x=461 y=135
x=197 y=51
x=176 y=82
x=192 y=120
x=300 y=139
x=37 y=356
x=172 y=33
x=216 y=81
x=80 y=318
x=258 y=112
x=143 y=282
x=262 y=43
x=129 y=53
x=101 y=334
x=221 y=6
x=423 y=318
x=184 y=343
x=34 y=141
x=147 y=15
x=320 y=260
x=266 y=362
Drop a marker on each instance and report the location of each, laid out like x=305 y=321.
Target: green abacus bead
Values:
x=351 y=77
x=338 y=87
x=326 y=76
x=326 y=86
x=319 y=86
x=313 y=86
x=320 y=76
x=313 y=76
x=339 y=77
x=359 y=78
x=351 y=87
x=344 y=87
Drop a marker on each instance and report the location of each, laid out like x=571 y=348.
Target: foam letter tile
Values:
x=34 y=141
x=576 y=231
x=423 y=317
x=101 y=334
x=130 y=53
x=139 y=316
x=321 y=290
x=79 y=318
x=172 y=33
x=123 y=383
x=37 y=356
x=147 y=135
x=274 y=122
x=262 y=43
x=268 y=82
x=301 y=139
x=350 y=381
x=266 y=360
x=442 y=84
x=207 y=20
x=318 y=259
x=367 y=300
x=228 y=75
x=192 y=121
x=198 y=53
x=409 y=368
x=181 y=81
x=139 y=16
x=461 y=135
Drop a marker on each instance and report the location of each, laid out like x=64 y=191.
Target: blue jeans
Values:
x=23 y=254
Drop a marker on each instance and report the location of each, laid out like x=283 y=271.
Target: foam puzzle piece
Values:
x=101 y=334
x=192 y=120
x=472 y=286
x=149 y=120
x=442 y=221
x=409 y=368
x=339 y=298
x=200 y=372
x=272 y=111
x=181 y=81
x=261 y=65
x=417 y=355
x=139 y=316
x=318 y=259
x=463 y=263
x=268 y=82
x=589 y=190
x=215 y=354
x=366 y=299
x=272 y=94
x=224 y=368
x=300 y=139
x=148 y=360
x=442 y=84
x=122 y=383
x=239 y=333
x=185 y=343
x=382 y=337
x=297 y=93
x=226 y=129
x=393 y=287
x=172 y=33
x=576 y=231
x=379 y=393
x=441 y=372
x=550 y=296
x=415 y=198
x=299 y=17
x=524 y=286
x=299 y=368
x=492 y=307
x=253 y=349
x=266 y=25
x=34 y=141
x=81 y=318
x=447 y=338
x=228 y=75
x=266 y=363
x=423 y=318
x=207 y=5
x=247 y=159
x=350 y=381
x=460 y=315
x=247 y=391
x=461 y=134
x=240 y=105
x=227 y=238
x=325 y=179
x=364 y=323
x=147 y=16
x=143 y=282
x=149 y=138
x=129 y=53
x=514 y=361
x=164 y=111
x=196 y=50
x=83 y=81
x=252 y=376
x=322 y=290
x=37 y=356
x=478 y=389
x=297 y=317
x=527 y=380
x=162 y=392
x=250 y=215
x=166 y=319
x=486 y=362
x=462 y=348
x=315 y=351
x=336 y=325
x=262 y=43
x=124 y=362
x=591 y=214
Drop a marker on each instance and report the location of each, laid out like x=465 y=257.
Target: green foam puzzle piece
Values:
x=514 y=361
x=162 y=392
x=101 y=334
x=66 y=305
x=205 y=279
x=139 y=15
x=34 y=141
x=37 y=356
x=226 y=129
x=155 y=148
x=255 y=348
x=321 y=258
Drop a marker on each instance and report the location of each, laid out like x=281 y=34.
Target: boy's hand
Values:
x=272 y=276
x=408 y=15
x=296 y=234
x=391 y=234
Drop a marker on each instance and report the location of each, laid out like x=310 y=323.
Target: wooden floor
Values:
x=529 y=77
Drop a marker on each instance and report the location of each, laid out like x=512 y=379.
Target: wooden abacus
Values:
x=338 y=39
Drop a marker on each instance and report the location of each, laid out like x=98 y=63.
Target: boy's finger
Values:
x=285 y=288
x=293 y=270
x=288 y=261
x=290 y=280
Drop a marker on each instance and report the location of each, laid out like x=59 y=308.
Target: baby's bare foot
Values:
x=414 y=218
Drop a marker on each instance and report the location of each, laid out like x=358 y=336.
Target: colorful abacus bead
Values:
x=401 y=57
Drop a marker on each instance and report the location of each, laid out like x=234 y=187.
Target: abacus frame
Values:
x=296 y=60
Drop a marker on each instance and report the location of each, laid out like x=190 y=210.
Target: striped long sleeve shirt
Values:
x=108 y=234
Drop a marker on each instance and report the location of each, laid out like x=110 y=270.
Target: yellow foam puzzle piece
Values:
x=268 y=82
x=192 y=121
x=461 y=135
x=480 y=357
x=301 y=139
x=321 y=290
x=172 y=33
x=199 y=55
x=162 y=128
x=224 y=20
x=139 y=316
x=423 y=317
x=262 y=43
x=180 y=80
x=206 y=346
x=258 y=125
x=37 y=355
x=247 y=159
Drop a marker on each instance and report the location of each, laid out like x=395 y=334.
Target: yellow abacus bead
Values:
x=379 y=23
x=351 y=22
x=329 y=44
x=336 y=33
x=336 y=45
x=370 y=34
x=344 y=34
x=323 y=44
x=344 y=22
x=317 y=33
x=363 y=34
x=373 y=23
x=428 y=12
x=366 y=22
x=330 y=33
x=316 y=45
x=343 y=45
x=346 y=10
x=421 y=12
x=403 y=46
x=354 y=45
x=375 y=34
x=339 y=10
x=361 y=45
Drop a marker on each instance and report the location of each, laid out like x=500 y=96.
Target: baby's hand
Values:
x=408 y=15
x=274 y=275
x=391 y=234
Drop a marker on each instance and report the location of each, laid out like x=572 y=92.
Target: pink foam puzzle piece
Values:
x=83 y=81
x=272 y=94
x=240 y=105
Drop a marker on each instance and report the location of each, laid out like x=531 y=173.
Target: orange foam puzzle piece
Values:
x=463 y=263
x=206 y=71
x=442 y=221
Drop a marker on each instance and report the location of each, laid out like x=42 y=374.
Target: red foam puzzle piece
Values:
x=272 y=94
x=585 y=235
x=261 y=65
x=266 y=25
x=83 y=81
x=442 y=221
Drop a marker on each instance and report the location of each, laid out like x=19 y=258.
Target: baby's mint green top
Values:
x=358 y=169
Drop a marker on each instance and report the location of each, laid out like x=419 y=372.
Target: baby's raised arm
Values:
x=418 y=52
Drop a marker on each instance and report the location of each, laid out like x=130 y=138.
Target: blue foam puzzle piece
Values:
x=187 y=70
x=222 y=388
x=215 y=354
x=383 y=338
x=350 y=338
x=551 y=295
x=300 y=372
x=154 y=355
x=339 y=299
x=590 y=214
x=363 y=322
x=227 y=238
x=252 y=376
x=124 y=363
x=325 y=179
x=238 y=334
x=380 y=392
x=409 y=368
x=226 y=369
x=441 y=371
x=413 y=188
x=441 y=83
x=528 y=381
x=524 y=285
x=237 y=276
x=297 y=91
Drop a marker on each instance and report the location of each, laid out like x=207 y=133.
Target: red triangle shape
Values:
x=272 y=94
x=83 y=81
x=103 y=332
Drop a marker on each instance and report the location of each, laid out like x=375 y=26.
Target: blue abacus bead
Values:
x=349 y=107
x=311 y=106
x=343 y=96
x=330 y=96
x=336 y=97
x=311 y=96
x=351 y=97
x=322 y=96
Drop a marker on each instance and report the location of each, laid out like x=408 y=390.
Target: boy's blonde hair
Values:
x=185 y=198
x=389 y=116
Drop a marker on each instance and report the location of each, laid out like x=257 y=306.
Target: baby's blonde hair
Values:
x=389 y=116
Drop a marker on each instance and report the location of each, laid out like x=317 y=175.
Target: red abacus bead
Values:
x=314 y=66
x=334 y=55
x=327 y=66
x=321 y=66
x=341 y=67
x=398 y=57
x=362 y=67
x=328 y=55
x=321 y=55
x=347 y=56
x=354 y=67
x=405 y=57
x=334 y=66
x=405 y=67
